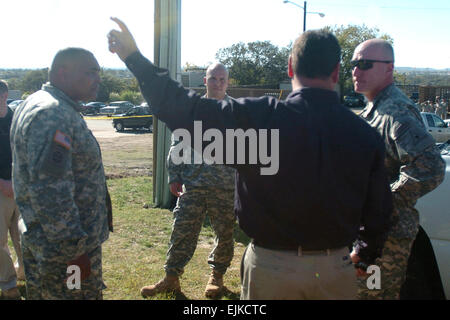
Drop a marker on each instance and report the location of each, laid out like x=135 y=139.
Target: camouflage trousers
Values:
x=393 y=264
x=47 y=278
x=189 y=214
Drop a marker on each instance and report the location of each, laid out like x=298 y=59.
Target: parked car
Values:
x=92 y=108
x=137 y=117
x=354 y=101
x=14 y=104
x=428 y=275
x=436 y=126
x=414 y=97
x=116 y=107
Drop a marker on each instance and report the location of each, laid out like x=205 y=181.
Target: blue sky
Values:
x=33 y=31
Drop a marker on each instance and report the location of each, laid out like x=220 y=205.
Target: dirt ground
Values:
x=125 y=154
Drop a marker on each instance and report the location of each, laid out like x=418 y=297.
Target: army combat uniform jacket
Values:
x=199 y=175
x=414 y=164
x=58 y=176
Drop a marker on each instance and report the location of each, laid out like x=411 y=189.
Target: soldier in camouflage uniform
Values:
x=437 y=107
x=413 y=162
x=444 y=108
x=428 y=107
x=200 y=189
x=59 y=182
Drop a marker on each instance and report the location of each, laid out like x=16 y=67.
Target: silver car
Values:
x=428 y=275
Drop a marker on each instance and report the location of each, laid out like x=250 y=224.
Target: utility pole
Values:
x=304 y=16
x=304 y=12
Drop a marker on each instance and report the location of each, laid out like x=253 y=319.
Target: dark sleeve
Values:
x=175 y=105
x=179 y=107
x=376 y=212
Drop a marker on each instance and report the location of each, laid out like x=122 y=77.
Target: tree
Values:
x=190 y=66
x=34 y=80
x=399 y=78
x=108 y=85
x=133 y=96
x=258 y=62
x=349 y=38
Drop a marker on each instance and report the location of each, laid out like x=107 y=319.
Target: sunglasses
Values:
x=365 y=64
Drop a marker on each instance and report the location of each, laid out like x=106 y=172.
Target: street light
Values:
x=304 y=12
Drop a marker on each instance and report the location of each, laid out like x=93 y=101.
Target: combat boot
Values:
x=168 y=284
x=11 y=294
x=215 y=285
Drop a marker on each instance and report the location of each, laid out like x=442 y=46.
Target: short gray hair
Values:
x=65 y=56
x=217 y=65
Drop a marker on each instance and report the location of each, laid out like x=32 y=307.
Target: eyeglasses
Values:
x=365 y=64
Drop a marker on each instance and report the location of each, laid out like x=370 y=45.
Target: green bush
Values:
x=132 y=96
x=127 y=95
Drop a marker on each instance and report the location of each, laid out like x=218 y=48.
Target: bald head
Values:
x=75 y=71
x=216 y=66
x=376 y=49
x=373 y=67
x=216 y=81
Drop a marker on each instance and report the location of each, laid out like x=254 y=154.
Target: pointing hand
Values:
x=121 y=42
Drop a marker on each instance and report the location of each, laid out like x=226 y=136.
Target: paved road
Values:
x=104 y=129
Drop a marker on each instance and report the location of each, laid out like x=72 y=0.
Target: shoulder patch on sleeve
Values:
x=56 y=160
x=62 y=139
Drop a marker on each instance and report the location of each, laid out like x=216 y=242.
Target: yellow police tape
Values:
x=107 y=118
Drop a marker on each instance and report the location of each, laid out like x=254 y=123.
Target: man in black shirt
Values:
x=329 y=181
x=9 y=214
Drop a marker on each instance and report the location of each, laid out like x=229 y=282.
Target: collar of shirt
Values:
x=61 y=95
x=315 y=94
x=372 y=105
x=226 y=98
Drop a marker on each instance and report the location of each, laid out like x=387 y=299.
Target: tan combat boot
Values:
x=11 y=294
x=168 y=284
x=215 y=285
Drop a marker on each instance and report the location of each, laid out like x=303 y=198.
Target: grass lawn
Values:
x=135 y=253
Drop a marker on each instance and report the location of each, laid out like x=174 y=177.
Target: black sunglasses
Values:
x=365 y=64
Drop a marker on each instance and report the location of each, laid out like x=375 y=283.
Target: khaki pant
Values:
x=9 y=217
x=289 y=275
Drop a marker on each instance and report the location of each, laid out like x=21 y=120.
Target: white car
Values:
x=14 y=104
x=428 y=275
x=436 y=126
